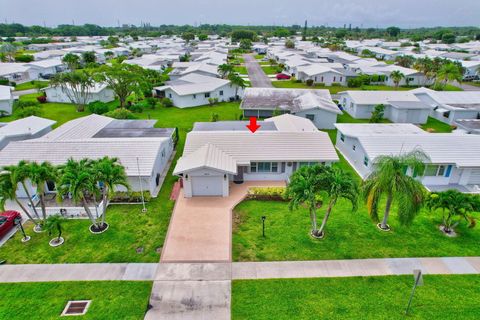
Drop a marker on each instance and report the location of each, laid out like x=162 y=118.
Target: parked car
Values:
x=282 y=76
x=471 y=78
x=6 y=221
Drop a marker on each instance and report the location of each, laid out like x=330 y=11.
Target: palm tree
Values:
x=390 y=178
x=303 y=189
x=8 y=191
x=397 y=76
x=236 y=81
x=76 y=178
x=337 y=184
x=449 y=72
x=52 y=224
x=225 y=70
x=110 y=174
x=39 y=174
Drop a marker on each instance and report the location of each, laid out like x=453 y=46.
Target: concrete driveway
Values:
x=200 y=229
x=257 y=77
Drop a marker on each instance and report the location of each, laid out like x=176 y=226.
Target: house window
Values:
x=264 y=167
x=170 y=95
x=435 y=171
x=365 y=161
x=253 y=167
x=322 y=79
x=342 y=137
x=334 y=78
x=194 y=96
x=310 y=117
x=207 y=95
x=341 y=79
x=221 y=92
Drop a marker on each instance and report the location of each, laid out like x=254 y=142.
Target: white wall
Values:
x=199 y=99
x=55 y=94
x=327 y=78
x=322 y=119
x=7 y=105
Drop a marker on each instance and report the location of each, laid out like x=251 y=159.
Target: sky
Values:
x=362 y=13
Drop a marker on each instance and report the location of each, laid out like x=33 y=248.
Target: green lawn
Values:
x=442 y=297
x=46 y=300
x=450 y=87
x=259 y=56
x=129 y=228
x=264 y=63
x=240 y=69
x=271 y=69
x=31 y=85
x=332 y=89
x=434 y=125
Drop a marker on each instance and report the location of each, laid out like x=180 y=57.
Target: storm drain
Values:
x=76 y=308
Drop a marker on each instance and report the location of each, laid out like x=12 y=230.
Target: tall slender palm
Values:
x=303 y=189
x=397 y=76
x=225 y=70
x=389 y=178
x=39 y=174
x=76 y=178
x=20 y=175
x=8 y=191
x=110 y=174
x=337 y=184
x=236 y=81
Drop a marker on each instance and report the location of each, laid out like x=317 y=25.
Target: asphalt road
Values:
x=257 y=77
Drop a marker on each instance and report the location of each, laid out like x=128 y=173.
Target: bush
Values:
x=98 y=107
x=29 y=111
x=166 y=102
x=4 y=82
x=137 y=108
x=133 y=197
x=42 y=99
x=336 y=84
x=121 y=114
x=214 y=117
x=320 y=84
x=309 y=82
x=354 y=82
x=24 y=58
x=267 y=193
x=212 y=101
x=21 y=104
x=151 y=102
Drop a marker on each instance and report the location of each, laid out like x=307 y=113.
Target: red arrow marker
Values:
x=253 y=126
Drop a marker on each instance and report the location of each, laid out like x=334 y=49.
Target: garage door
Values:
x=474 y=177
x=207 y=186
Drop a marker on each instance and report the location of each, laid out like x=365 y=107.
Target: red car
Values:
x=283 y=76
x=6 y=221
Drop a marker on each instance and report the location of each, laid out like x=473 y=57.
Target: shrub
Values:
x=212 y=101
x=336 y=84
x=137 y=107
x=151 y=102
x=42 y=99
x=24 y=58
x=121 y=114
x=320 y=84
x=309 y=82
x=166 y=102
x=98 y=107
x=267 y=193
x=4 y=82
x=29 y=111
x=214 y=117
x=21 y=104
x=133 y=197
x=13 y=84
x=354 y=82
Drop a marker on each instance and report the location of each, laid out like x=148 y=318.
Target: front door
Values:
x=239 y=177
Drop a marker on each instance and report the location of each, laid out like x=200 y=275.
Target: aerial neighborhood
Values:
x=239 y=172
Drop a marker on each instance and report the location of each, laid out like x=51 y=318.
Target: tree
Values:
x=188 y=36
x=237 y=81
x=290 y=44
x=76 y=85
x=72 y=61
x=377 y=113
x=109 y=55
x=225 y=70
x=9 y=51
x=389 y=177
x=246 y=44
x=396 y=77
x=54 y=224
x=448 y=38
x=109 y=174
x=336 y=184
x=405 y=61
x=24 y=58
x=89 y=57
x=238 y=35
x=39 y=175
x=454 y=204
x=393 y=31
x=304 y=190
x=202 y=37
x=449 y=72
x=77 y=179
x=124 y=79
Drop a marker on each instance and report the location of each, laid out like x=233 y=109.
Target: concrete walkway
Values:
x=257 y=76
x=23 y=92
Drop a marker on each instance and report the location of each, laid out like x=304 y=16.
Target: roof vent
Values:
x=76 y=308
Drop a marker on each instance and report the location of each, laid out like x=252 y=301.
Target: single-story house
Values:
x=469 y=126
x=24 y=129
x=16 y=72
x=98 y=92
x=321 y=74
x=45 y=68
x=143 y=150
x=400 y=106
x=315 y=105
x=454 y=159
x=6 y=100
x=218 y=154
x=194 y=90
x=472 y=68
x=450 y=106
x=181 y=69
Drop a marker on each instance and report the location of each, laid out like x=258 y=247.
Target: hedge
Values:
x=134 y=197
x=267 y=193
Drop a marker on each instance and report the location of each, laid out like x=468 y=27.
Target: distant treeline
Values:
x=346 y=32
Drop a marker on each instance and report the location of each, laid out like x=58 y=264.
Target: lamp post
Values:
x=18 y=223
x=263 y=226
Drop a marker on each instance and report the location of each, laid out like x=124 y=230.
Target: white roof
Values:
x=10 y=68
x=377 y=97
x=207 y=156
x=290 y=123
x=314 y=69
x=30 y=125
x=451 y=97
x=81 y=128
x=194 y=83
x=368 y=129
x=47 y=63
x=462 y=150
x=5 y=93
